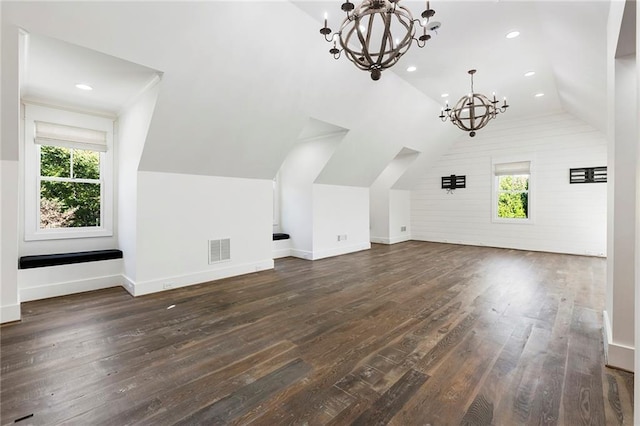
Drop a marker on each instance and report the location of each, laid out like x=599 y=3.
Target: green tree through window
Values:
x=513 y=196
x=70 y=187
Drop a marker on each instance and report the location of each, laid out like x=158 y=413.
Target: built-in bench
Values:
x=43 y=260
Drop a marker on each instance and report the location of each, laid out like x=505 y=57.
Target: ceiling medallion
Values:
x=376 y=33
x=473 y=111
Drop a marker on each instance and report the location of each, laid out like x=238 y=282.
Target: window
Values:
x=67 y=174
x=511 y=201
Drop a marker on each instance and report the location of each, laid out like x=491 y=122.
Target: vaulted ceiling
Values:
x=563 y=42
x=243 y=82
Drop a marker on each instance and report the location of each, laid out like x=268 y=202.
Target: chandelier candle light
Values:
x=473 y=111
x=376 y=33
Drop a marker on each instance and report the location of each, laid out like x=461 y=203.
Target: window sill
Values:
x=64 y=234
x=528 y=221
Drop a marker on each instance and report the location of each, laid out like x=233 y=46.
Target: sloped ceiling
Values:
x=53 y=68
x=241 y=80
x=564 y=42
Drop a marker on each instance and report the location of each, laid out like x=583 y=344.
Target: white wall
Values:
x=133 y=124
x=399 y=215
x=619 y=313
x=54 y=281
x=339 y=210
x=10 y=108
x=297 y=174
x=315 y=214
x=64 y=279
x=566 y=218
x=622 y=150
x=178 y=214
x=379 y=213
x=9 y=297
x=1 y=191
x=61 y=245
x=637 y=262
x=389 y=209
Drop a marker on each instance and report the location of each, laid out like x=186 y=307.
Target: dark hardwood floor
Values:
x=410 y=334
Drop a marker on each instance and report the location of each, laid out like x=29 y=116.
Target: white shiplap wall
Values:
x=565 y=218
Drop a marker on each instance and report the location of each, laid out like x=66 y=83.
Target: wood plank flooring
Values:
x=411 y=334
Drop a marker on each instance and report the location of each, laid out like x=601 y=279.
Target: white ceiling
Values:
x=564 y=42
x=234 y=105
x=53 y=68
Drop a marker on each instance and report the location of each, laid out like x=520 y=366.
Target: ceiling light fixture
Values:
x=513 y=34
x=376 y=33
x=529 y=73
x=83 y=86
x=444 y=95
x=473 y=111
x=539 y=95
x=412 y=68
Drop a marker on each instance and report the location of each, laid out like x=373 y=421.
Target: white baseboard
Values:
x=284 y=252
x=156 y=285
x=44 y=291
x=302 y=254
x=10 y=313
x=399 y=239
x=379 y=240
x=616 y=355
x=337 y=251
x=128 y=284
x=577 y=252
x=69 y=287
x=281 y=248
x=392 y=240
x=322 y=254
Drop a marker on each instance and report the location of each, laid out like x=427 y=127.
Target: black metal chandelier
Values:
x=473 y=111
x=376 y=34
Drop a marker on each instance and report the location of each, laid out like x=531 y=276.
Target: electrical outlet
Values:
x=167 y=286
x=339 y=237
x=403 y=229
x=344 y=237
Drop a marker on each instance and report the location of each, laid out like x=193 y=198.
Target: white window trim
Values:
x=494 y=192
x=32 y=231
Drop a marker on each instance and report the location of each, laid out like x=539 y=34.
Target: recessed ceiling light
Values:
x=539 y=95
x=444 y=95
x=513 y=34
x=529 y=73
x=83 y=86
x=411 y=68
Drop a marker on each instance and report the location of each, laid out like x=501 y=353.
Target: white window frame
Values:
x=32 y=230
x=495 y=192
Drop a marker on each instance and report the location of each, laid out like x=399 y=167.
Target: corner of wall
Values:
x=616 y=355
x=10 y=313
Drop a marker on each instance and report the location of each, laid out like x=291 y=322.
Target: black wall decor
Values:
x=454 y=182
x=588 y=175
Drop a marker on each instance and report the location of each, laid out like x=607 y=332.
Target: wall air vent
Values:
x=219 y=250
x=588 y=175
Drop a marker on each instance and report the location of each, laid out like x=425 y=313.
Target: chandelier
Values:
x=376 y=34
x=473 y=111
